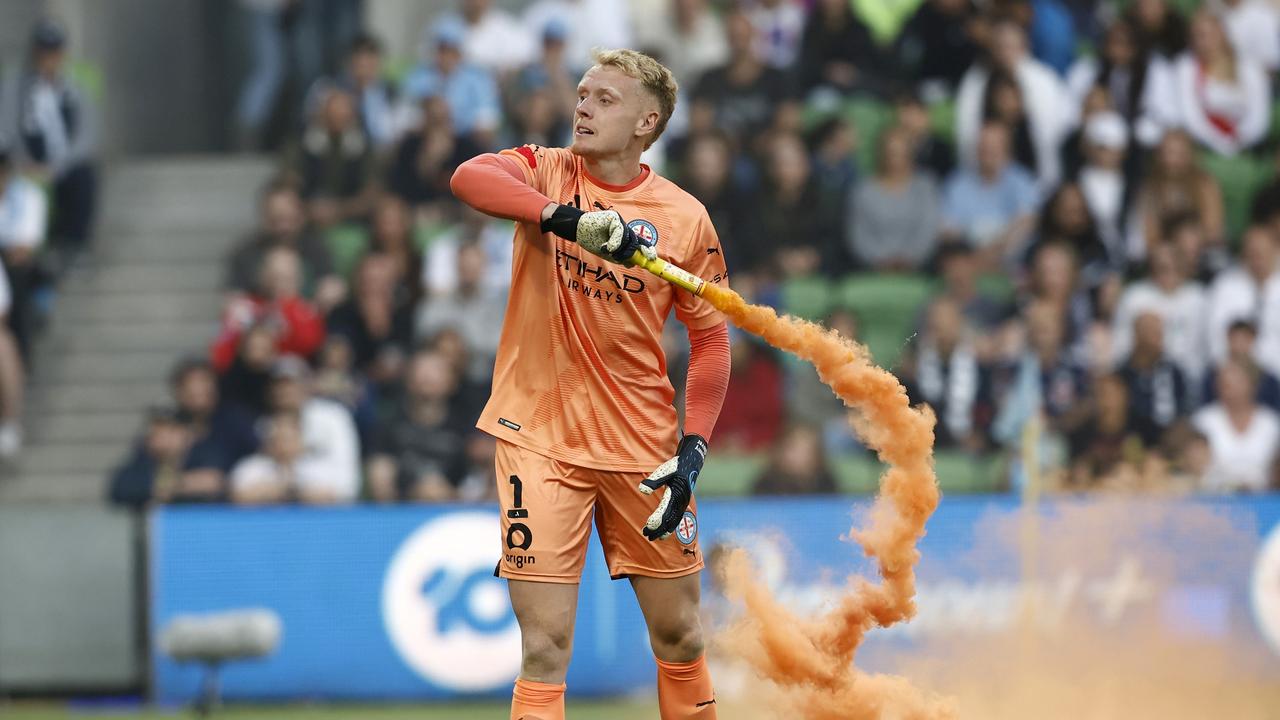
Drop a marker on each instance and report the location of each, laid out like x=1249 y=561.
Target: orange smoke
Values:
x=810 y=661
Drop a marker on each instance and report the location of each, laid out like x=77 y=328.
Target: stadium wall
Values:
x=400 y=603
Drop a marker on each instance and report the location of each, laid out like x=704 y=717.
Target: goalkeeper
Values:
x=581 y=403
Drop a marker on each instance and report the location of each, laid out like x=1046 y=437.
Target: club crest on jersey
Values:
x=645 y=230
x=687 y=530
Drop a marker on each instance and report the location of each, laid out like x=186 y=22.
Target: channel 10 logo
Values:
x=447 y=616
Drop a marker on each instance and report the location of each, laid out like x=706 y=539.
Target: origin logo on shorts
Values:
x=645 y=230
x=687 y=530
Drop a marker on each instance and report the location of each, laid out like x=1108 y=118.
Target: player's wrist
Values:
x=562 y=220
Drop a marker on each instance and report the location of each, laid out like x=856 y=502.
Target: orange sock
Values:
x=684 y=691
x=537 y=701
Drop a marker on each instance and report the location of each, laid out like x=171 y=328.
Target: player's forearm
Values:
x=708 y=380
x=495 y=185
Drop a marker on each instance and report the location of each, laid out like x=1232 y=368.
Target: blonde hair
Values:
x=653 y=75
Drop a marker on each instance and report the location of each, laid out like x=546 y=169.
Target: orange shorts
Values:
x=547 y=508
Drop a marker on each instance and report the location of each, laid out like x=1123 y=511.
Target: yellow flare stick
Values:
x=670 y=273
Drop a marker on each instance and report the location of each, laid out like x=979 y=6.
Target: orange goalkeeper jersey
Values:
x=581 y=375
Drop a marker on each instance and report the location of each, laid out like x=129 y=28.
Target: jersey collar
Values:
x=637 y=181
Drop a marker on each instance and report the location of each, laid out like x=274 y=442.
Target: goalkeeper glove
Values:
x=602 y=232
x=679 y=474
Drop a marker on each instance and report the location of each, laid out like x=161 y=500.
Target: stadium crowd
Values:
x=1055 y=221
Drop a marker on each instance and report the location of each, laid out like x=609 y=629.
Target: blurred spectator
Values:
x=279 y=472
x=326 y=28
x=742 y=97
x=473 y=309
x=425 y=159
x=1158 y=391
x=1244 y=437
x=944 y=370
x=271 y=23
x=24 y=213
x=296 y=326
x=156 y=469
x=788 y=235
x=1045 y=100
x=1254 y=29
x=374 y=97
x=1221 y=98
x=1105 y=185
x=480 y=481
x=689 y=36
x=469 y=91
x=832 y=144
x=1125 y=71
x=334 y=162
x=1106 y=450
x=938 y=45
x=330 y=459
x=472 y=392
x=418 y=454
x=797 y=465
x=440 y=269
x=377 y=325
x=810 y=402
x=993 y=206
x=893 y=217
x=1054 y=279
x=392 y=237
x=1052 y=32
x=1177 y=300
x=591 y=24
x=779 y=26
x=58 y=128
x=337 y=378
x=1003 y=103
x=958 y=269
x=1066 y=219
x=708 y=177
x=1249 y=291
x=246 y=382
x=932 y=152
x=1043 y=380
x=546 y=91
x=752 y=414
x=1159 y=26
x=12 y=380
x=1242 y=337
x=837 y=53
x=492 y=38
x=1177 y=184
x=220 y=432
x=282 y=224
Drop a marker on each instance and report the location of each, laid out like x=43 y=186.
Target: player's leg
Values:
x=665 y=576
x=670 y=607
x=546 y=521
x=546 y=613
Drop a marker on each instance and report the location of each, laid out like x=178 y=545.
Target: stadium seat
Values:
x=1240 y=178
x=962 y=473
x=346 y=244
x=887 y=307
x=729 y=474
x=857 y=474
x=942 y=118
x=870 y=117
x=808 y=297
x=996 y=286
x=88 y=76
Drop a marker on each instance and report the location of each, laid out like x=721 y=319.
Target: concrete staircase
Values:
x=150 y=293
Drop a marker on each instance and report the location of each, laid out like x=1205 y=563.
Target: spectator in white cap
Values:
x=1102 y=179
